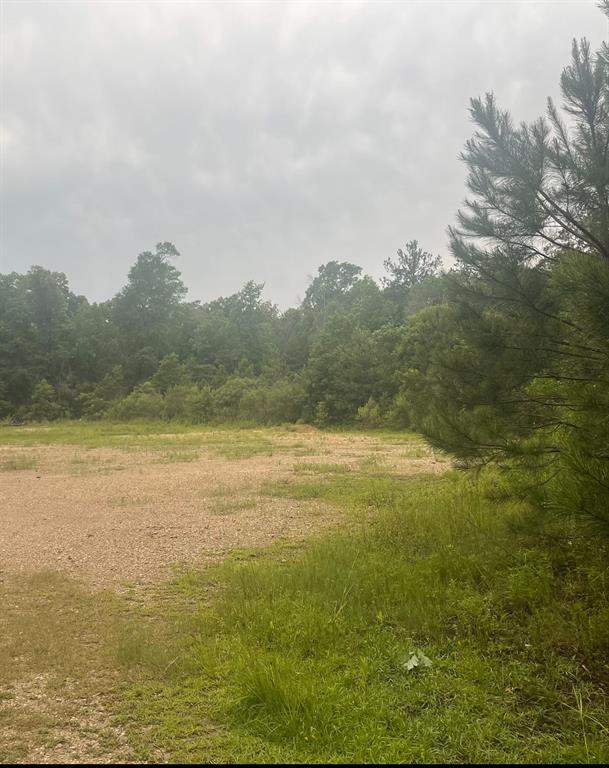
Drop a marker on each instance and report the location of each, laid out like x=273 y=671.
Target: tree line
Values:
x=150 y=353
x=504 y=359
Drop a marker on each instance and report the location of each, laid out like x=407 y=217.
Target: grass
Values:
x=58 y=666
x=304 y=652
x=303 y=656
x=163 y=434
x=16 y=462
x=174 y=441
x=320 y=468
x=232 y=505
x=177 y=456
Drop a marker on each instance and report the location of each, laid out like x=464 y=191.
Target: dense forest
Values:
x=504 y=358
x=150 y=353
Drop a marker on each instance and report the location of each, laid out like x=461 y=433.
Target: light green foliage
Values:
x=444 y=629
x=332 y=282
x=44 y=405
x=321 y=417
x=412 y=266
x=369 y=415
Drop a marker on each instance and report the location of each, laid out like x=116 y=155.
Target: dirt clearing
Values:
x=93 y=521
x=112 y=517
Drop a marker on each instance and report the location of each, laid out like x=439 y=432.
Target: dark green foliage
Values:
x=44 y=405
x=94 y=402
x=170 y=374
x=148 y=353
x=504 y=359
x=514 y=368
x=145 y=309
x=348 y=365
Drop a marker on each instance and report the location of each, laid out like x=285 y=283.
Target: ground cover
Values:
x=287 y=594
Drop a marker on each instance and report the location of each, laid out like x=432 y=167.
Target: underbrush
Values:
x=442 y=627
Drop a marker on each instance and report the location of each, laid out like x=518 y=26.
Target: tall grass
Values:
x=308 y=656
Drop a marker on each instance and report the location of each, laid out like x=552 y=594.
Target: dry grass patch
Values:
x=14 y=462
x=59 y=675
x=122 y=507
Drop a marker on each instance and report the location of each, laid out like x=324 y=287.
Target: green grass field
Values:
x=442 y=625
x=311 y=655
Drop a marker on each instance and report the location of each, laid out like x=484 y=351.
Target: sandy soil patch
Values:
x=113 y=517
x=116 y=517
x=67 y=725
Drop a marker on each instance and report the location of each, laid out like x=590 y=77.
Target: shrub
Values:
x=142 y=403
x=369 y=415
x=273 y=403
x=321 y=417
x=44 y=405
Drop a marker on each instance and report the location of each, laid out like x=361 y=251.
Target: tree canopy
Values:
x=504 y=359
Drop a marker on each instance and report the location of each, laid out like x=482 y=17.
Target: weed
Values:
x=17 y=462
x=306 y=655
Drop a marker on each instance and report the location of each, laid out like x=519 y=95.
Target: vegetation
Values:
x=515 y=367
x=321 y=654
x=455 y=618
x=440 y=625
x=505 y=359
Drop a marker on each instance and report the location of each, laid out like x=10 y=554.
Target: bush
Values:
x=142 y=403
x=369 y=415
x=321 y=417
x=398 y=415
x=170 y=374
x=275 y=403
x=227 y=398
x=44 y=405
x=199 y=404
x=187 y=402
x=93 y=403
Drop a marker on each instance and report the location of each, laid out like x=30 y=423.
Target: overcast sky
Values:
x=262 y=139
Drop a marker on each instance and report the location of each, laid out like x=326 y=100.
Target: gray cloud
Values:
x=261 y=138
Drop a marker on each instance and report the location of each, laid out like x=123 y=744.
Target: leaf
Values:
x=417 y=659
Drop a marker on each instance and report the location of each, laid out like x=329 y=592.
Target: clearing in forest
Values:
x=127 y=513
x=94 y=520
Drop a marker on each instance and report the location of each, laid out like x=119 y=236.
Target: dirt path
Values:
x=113 y=517
x=76 y=520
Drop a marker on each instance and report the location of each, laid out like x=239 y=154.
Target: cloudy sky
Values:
x=262 y=138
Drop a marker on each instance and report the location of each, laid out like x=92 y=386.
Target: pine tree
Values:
x=516 y=369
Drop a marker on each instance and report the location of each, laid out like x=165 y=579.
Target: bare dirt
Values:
x=120 y=519
x=114 y=517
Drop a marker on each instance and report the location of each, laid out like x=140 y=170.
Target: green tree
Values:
x=516 y=370
x=412 y=266
x=348 y=366
x=44 y=405
x=146 y=309
x=332 y=282
x=237 y=329
x=35 y=316
x=170 y=373
x=94 y=342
